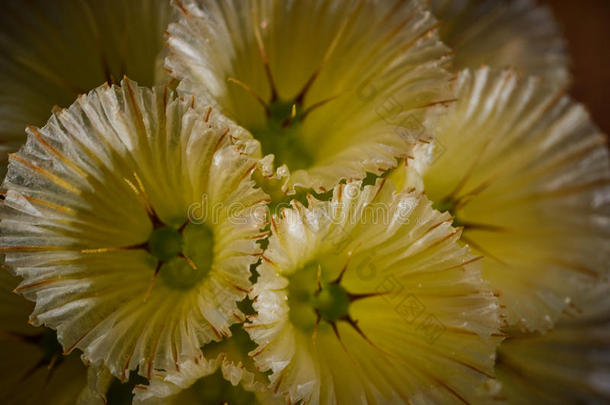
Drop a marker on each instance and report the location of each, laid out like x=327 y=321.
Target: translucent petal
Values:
x=84 y=195
x=503 y=33
x=363 y=85
x=527 y=175
x=570 y=364
x=52 y=51
x=33 y=370
x=224 y=373
x=421 y=324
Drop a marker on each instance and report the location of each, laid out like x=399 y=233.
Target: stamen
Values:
x=264 y=56
x=252 y=93
x=152 y=281
x=190 y=262
x=318 y=105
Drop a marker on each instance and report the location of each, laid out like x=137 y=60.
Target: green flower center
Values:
x=332 y=302
x=282 y=135
x=165 y=243
x=185 y=255
x=306 y=300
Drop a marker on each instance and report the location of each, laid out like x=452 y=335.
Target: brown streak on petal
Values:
x=11 y=249
x=54 y=151
x=51 y=205
x=126 y=366
x=69 y=349
x=207 y=114
x=55 y=179
x=182 y=8
x=40 y=283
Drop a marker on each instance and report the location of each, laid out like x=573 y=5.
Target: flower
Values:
x=330 y=103
x=52 y=51
x=227 y=376
x=526 y=173
x=133 y=220
x=368 y=298
x=569 y=364
x=503 y=33
x=33 y=368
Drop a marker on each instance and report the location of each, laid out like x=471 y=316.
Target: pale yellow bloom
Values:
x=51 y=51
x=33 y=369
x=133 y=220
x=504 y=33
x=526 y=173
x=224 y=373
x=332 y=89
x=368 y=298
x=570 y=364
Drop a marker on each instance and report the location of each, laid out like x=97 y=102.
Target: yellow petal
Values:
x=420 y=320
x=229 y=376
x=569 y=364
x=33 y=369
x=526 y=173
x=85 y=195
x=329 y=103
x=52 y=51
x=501 y=33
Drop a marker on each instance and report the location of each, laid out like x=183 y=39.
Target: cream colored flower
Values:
x=133 y=220
x=369 y=299
x=332 y=89
x=33 y=369
x=570 y=364
x=51 y=51
x=504 y=33
x=526 y=173
x=224 y=373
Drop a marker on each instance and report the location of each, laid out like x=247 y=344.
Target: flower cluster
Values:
x=298 y=202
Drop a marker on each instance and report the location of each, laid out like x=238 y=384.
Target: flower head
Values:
x=223 y=374
x=33 y=368
x=51 y=51
x=368 y=298
x=526 y=173
x=331 y=89
x=503 y=33
x=133 y=220
x=570 y=364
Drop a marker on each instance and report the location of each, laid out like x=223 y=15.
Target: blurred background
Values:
x=586 y=26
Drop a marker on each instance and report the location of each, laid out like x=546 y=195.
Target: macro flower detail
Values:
x=526 y=173
x=303 y=202
x=519 y=34
x=331 y=103
x=133 y=220
x=227 y=376
x=569 y=364
x=33 y=369
x=50 y=52
x=368 y=298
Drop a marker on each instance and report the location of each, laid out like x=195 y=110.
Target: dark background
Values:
x=586 y=26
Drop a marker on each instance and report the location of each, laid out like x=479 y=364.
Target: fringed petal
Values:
x=504 y=33
x=51 y=51
x=331 y=103
x=526 y=173
x=421 y=326
x=86 y=196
